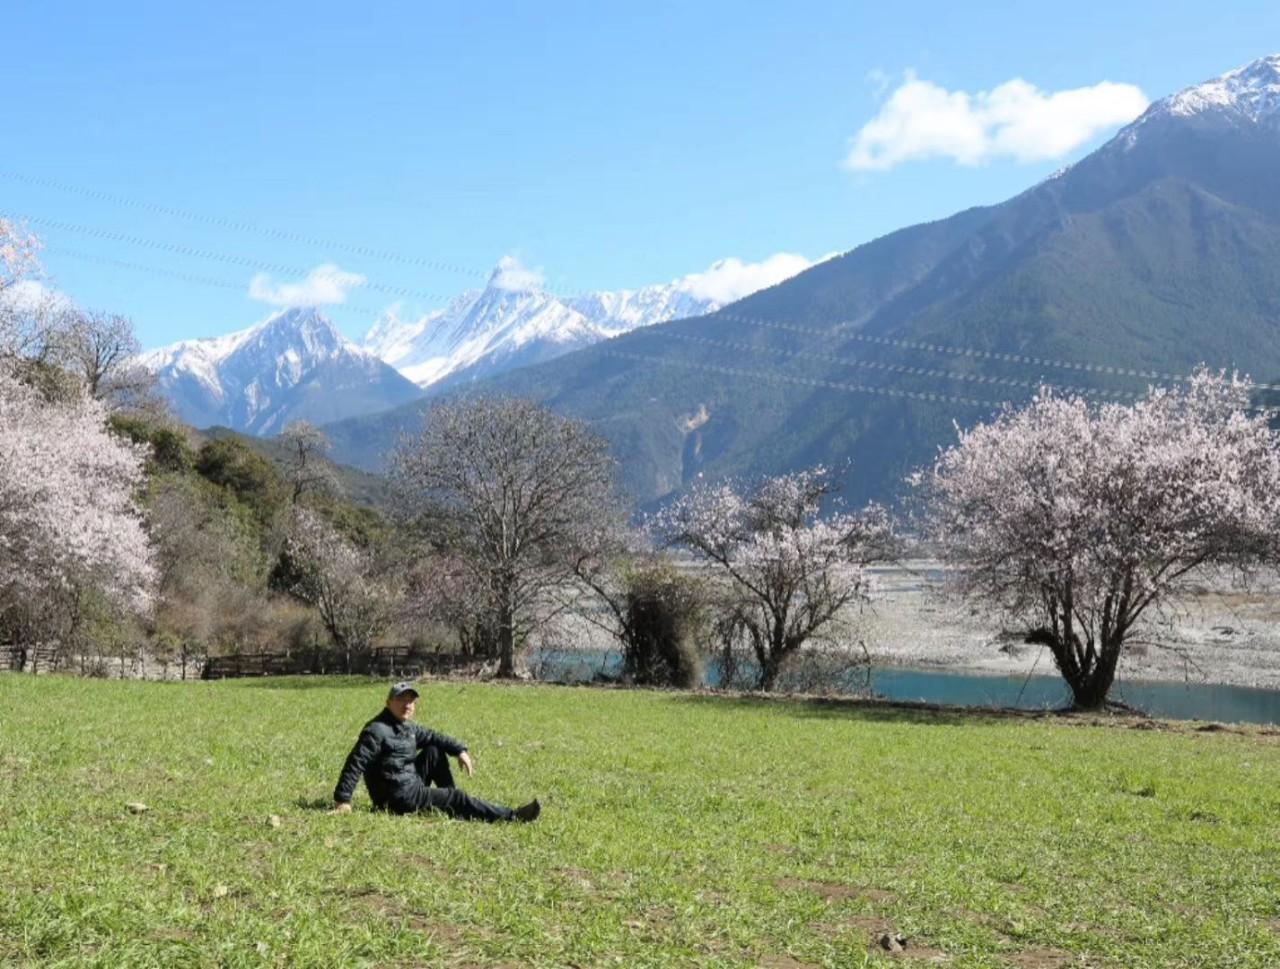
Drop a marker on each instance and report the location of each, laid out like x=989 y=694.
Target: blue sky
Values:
x=607 y=145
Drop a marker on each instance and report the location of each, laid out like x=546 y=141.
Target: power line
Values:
x=804 y=381
x=839 y=329
x=908 y=370
x=179 y=275
x=928 y=396
x=179 y=249
x=903 y=369
x=240 y=225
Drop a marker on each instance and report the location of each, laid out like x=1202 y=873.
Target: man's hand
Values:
x=341 y=807
x=464 y=759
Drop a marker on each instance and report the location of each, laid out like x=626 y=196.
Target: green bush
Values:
x=243 y=472
x=170 y=451
x=664 y=613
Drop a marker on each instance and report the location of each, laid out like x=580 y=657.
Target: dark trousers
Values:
x=432 y=765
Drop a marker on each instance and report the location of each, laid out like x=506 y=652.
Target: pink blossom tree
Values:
x=17 y=254
x=26 y=318
x=340 y=579
x=1078 y=521
x=791 y=571
x=67 y=502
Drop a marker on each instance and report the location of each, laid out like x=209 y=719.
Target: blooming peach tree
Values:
x=17 y=254
x=1077 y=521
x=340 y=579
x=791 y=571
x=67 y=501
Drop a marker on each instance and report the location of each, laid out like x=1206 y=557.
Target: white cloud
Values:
x=1015 y=120
x=30 y=295
x=324 y=284
x=732 y=279
x=510 y=274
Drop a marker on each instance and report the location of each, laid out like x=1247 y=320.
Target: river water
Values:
x=1172 y=700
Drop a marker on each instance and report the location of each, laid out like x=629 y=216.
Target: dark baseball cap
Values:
x=401 y=688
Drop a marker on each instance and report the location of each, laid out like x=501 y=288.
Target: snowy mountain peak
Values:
x=510 y=276
x=303 y=329
x=514 y=321
x=294 y=364
x=1251 y=91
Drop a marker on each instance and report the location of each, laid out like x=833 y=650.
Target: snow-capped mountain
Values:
x=1251 y=91
x=1220 y=135
x=293 y=365
x=1246 y=99
x=480 y=332
x=513 y=322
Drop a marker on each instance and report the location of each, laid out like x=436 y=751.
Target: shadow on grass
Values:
x=877 y=711
x=314 y=804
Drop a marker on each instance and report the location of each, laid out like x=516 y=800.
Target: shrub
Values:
x=664 y=613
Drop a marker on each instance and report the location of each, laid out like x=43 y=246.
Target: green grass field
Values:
x=678 y=830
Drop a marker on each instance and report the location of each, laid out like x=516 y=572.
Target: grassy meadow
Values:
x=677 y=830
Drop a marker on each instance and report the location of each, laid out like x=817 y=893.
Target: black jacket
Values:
x=384 y=756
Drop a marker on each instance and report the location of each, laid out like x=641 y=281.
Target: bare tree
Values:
x=1077 y=521
x=102 y=350
x=790 y=572
x=307 y=471
x=513 y=491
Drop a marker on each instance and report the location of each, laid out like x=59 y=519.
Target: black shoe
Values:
x=527 y=812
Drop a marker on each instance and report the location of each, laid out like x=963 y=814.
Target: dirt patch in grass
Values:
x=652 y=923
x=654 y=915
x=783 y=962
x=422 y=862
x=1040 y=959
x=881 y=937
x=894 y=945
x=988 y=921
x=370 y=901
x=579 y=878
x=174 y=934
x=371 y=904
x=441 y=933
x=835 y=890
x=869 y=925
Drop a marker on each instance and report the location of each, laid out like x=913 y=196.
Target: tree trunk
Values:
x=506 y=639
x=1090 y=683
x=769 y=670
x=771 y=660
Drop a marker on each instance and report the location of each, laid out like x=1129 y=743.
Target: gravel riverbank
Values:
x=1216 y=633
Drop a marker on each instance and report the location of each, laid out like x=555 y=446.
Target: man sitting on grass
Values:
x=400 y=761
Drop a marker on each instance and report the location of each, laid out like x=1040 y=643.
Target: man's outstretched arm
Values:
x=358 y=761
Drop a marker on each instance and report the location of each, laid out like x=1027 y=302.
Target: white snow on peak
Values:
x=1252 y=91
x=513 y=320
x=247 y=379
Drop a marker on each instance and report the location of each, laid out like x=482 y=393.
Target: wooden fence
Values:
x=386 y=661
x=27 y=658
x=390 y=661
